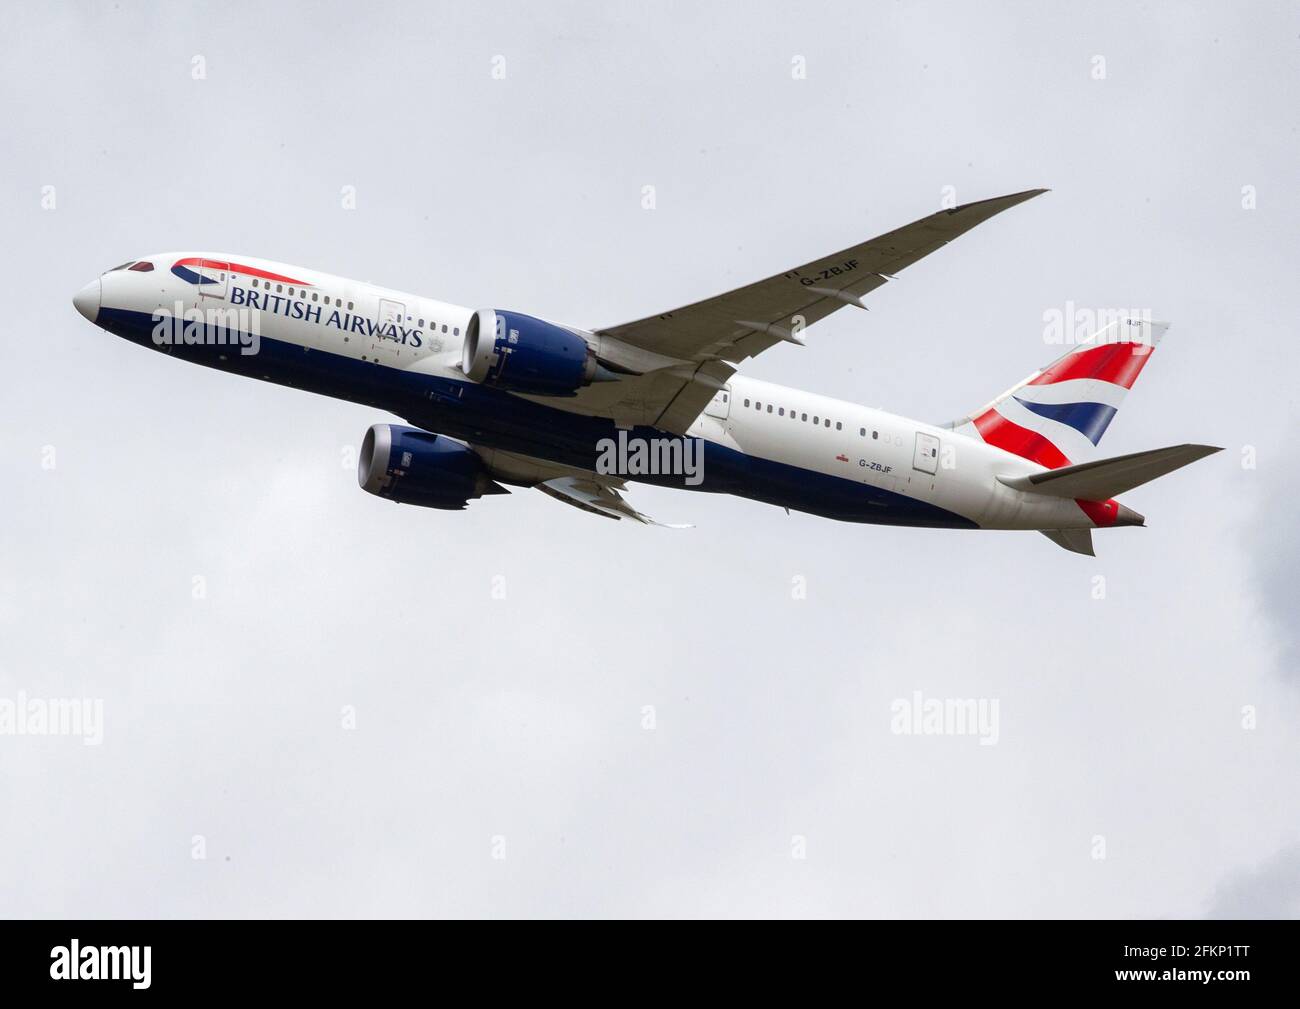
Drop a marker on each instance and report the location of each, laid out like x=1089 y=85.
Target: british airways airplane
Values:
x=497 y=397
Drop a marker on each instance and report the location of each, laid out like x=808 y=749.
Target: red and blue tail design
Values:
x=1057 y=416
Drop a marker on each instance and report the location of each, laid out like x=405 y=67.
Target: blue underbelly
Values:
x=490 y=417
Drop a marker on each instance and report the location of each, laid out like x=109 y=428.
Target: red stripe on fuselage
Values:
x=1119 y=363
x=251 y=271
x=1002 y=433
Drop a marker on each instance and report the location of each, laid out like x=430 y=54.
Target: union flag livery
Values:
x=1057 y=416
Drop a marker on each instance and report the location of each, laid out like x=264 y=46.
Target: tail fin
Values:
x=1058 y=415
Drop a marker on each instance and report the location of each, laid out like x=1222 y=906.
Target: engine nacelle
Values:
x=410 y=466
x=512 y=351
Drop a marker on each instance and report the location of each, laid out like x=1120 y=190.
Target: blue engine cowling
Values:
x=410 y=466
x=512 y=351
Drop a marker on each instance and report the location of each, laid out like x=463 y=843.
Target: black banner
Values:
x=137 y=958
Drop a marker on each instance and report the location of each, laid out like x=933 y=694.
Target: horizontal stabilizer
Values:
x=1105 y=478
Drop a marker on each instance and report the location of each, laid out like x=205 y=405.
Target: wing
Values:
x=748 y=320
x=697 y=346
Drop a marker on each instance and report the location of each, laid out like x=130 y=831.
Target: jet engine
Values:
x=410 y=466
x=518 y=353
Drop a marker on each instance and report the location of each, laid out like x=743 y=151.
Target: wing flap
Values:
x=591 y=495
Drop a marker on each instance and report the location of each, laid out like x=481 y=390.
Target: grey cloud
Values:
x=1270 y=889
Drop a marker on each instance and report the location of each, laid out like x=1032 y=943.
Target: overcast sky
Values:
x=191 y=548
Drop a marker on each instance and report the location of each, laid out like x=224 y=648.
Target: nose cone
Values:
x=87 y=300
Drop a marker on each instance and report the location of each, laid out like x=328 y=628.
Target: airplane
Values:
x=495 y=398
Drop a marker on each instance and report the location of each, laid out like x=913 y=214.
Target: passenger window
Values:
x=421 y=323
x=769 y=407
x=279 y=288
x=804 y=417
x=839 y=426
x=781 y=411
x=444 y=327
x=875 y=434
x=746 y=403
x=254 y=281
x=315 y=296
x=863 y=432
x=828 y=422
x=456 y=331
x=350 y=309
x=815 y=419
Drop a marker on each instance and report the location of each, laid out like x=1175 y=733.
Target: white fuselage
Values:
x=325 y=318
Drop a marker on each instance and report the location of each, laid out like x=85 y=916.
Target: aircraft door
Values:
x=391 y=313
x=216 y=275
x=720 y=404
x=926 y=458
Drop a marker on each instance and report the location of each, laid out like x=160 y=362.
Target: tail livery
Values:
x=1056 y=417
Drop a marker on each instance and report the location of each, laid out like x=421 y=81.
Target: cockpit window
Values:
x=141 y=267
x=124 y=266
